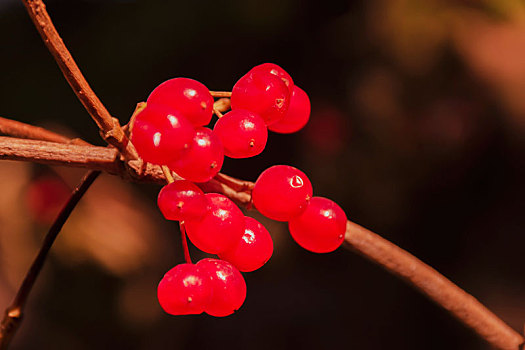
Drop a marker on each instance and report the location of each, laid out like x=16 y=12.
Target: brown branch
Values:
x=394 y=259
x=14 y=313
x=44 y=152
x=428 y=281
x=18 y=129
x=109 y=127
x=107 y=160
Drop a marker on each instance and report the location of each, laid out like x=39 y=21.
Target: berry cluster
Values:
x=170 y=131
x=284 y=193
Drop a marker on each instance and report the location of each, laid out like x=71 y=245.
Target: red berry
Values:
x=262 y=93
x=182 y=200
x=202 y=160
x=253 y=250
x=221 y=227
x=160 y=134
x=275 y=70
x=45 y=196
x=297 y=115
x=321 y=227
x=227 y=286
x=243 y=133
x=185 y=290
x=191 y=98
x=282 y=192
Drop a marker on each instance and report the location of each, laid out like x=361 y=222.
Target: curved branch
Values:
x=14 y=313
x=109 y=126
x=431 y=283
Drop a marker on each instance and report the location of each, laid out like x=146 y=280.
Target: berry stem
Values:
x=185 y=248
x=222 y=104
x=221 y=93
x=217 y=113
x=13 y=314
x=167 y=174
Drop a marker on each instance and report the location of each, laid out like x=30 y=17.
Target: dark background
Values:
x=417 y=131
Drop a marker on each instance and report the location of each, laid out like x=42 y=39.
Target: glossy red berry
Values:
x=221 y=227
x=282 y=192
x=297 y=115
x=185 y=289
x=227 y=286
x=202 y=160
x=253 y=250
x=182 y=200
x=262 y=93
x=275 y=70
x=321 y=227
x=159 y=134
x=190 y=97
x=243 y=133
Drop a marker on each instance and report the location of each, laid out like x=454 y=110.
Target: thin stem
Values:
x=185 y=248
x=221 y=93
x=109 y=127
x=222 y=105
x=167 y=174
x=217 y=113
x=14 y=313
x=237 y=184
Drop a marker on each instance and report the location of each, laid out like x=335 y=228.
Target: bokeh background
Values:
x=417 y=131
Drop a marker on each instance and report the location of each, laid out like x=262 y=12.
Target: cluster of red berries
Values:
x=170 y=132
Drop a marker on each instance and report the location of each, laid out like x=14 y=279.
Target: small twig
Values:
x=222 y=105
x=237 y=184
x=109 y=127
x=138 y=108
x=14 y=313
x=221 y=93
x=217 y=113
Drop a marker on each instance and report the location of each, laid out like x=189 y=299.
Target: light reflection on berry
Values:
x=296 y=181
x=190 y=93
x=248 y=125
x=191 y=281
x=249 y=236
x=156 y=139
x=222 y=275
x=203 y=142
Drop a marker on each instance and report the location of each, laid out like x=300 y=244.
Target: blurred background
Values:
x=417 y=131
